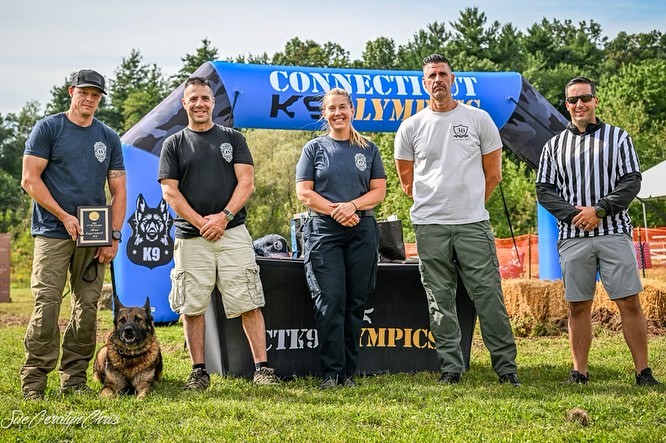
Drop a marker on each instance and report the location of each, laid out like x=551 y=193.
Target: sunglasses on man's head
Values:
x=585 y=98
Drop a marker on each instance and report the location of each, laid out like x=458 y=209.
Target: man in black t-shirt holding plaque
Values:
x=207 y=176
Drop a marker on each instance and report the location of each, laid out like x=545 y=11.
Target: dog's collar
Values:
x=128 y=355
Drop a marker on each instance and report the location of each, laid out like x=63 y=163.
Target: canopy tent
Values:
x=653 y=185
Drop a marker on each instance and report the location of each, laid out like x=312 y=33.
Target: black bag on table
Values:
x=391 y=243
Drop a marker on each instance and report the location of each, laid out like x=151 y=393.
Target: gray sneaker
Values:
x=348 y=382
x=199 y=380
x=265 y=376
x=329 y=383
x=449 y=378
x=79 y=389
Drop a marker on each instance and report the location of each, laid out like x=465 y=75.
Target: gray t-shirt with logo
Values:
x=79 y=159
x=341 y=171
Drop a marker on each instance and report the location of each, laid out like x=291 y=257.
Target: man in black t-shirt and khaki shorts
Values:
x=207 y=176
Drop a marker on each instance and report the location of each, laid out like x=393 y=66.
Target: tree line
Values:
x=630 y=71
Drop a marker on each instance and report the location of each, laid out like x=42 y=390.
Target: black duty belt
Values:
x=366 y=213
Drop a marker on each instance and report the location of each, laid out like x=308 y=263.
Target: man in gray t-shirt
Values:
x=449 y=159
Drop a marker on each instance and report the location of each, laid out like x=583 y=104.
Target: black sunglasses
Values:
x=585 y=98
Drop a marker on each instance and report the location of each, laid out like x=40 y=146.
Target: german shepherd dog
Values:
x=130 y=361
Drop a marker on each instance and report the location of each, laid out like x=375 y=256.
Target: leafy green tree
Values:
x=379 y=54
x=6 y=135
x=506 y=47
x=550 y=81
x=135 y=90
x=14 y=130
x=561 y=42
x=60 y=98
x=12 y=210
x=634 y=98
x=470 y=35
x=424 y=42
x=310 y=53
x=273 y=203
x=520 y=196
x=191 y=62
x=558 y=51
x=256 y=59
x=10 y=193
x=396 y=202
x=470 y=45
x=633 y=48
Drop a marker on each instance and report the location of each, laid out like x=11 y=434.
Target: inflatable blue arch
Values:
x=286 y=97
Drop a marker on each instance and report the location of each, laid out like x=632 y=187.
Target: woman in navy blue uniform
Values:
x=340 y=178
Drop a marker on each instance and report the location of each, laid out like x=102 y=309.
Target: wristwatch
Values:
x=601 y=212
x=228 y=213
x=117 y=235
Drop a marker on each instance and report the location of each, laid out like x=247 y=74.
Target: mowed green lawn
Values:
x=386 y=408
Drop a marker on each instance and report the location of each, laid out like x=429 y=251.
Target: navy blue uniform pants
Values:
x=341 y=269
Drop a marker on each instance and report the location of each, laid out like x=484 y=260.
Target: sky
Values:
x=43 y=41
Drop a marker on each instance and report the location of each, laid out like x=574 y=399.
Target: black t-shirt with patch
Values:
x=203 y=164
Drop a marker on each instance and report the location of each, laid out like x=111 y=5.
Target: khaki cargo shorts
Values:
x=228 y=264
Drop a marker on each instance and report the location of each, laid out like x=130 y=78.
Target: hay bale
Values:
x=653 y=300
x=543 y=301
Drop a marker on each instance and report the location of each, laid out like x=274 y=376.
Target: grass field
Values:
x=385 y=408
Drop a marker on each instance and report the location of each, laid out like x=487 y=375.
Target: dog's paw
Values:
x=142 y=395
x=107 y=393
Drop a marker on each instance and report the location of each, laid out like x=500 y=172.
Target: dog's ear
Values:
x=117 y=306
x=146 y=307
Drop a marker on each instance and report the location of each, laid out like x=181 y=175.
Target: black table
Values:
x=395 y=337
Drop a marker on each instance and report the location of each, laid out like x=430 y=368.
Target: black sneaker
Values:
x=645 y=378
x=329 y=383
x=199 y=380
x=510 y=378
x=576 y=377
x=449 y=378
x=31 y=395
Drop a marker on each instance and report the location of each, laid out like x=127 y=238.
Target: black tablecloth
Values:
x=395 y=336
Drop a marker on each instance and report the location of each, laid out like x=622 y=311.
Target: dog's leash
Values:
x=114 y=294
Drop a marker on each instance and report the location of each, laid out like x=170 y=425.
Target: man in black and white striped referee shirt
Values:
x=588 y=174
